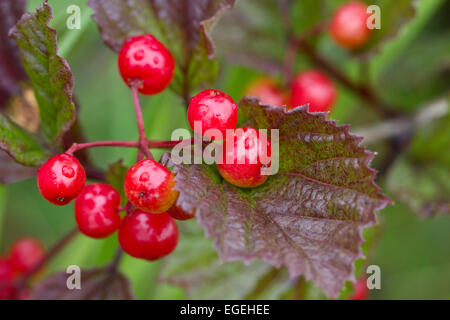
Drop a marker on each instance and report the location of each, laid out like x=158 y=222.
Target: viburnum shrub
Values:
x=287 y=187
x=348 y=25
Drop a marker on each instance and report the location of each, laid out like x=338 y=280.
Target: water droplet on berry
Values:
x=139 y=55
x=202 y=110
x=249 y=143
x=144 y=177
x=155 y=60
x=68 y=172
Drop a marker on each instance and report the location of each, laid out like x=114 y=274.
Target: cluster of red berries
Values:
x=311 y=87
x=148 y=186
x=348 y=28
x=23 y=256
x=149 y=232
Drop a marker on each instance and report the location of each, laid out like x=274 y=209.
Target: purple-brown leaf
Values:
x=96 y=284
x=11 y=70
x=309 y=216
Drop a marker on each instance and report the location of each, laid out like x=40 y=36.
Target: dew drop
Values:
x=144 y=177
x=139 y=55
x=249 y=143
x=202 y=110
x=68 y=172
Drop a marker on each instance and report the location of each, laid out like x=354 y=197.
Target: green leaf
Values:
x=420 y=71
x=183 y=26
x=49 y=74
x=20 y=145
x=116 y=177
x=309 y=216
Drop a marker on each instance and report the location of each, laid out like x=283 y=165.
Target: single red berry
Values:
x=349 y=25
x=267 y=91
x=61 y=179
x=25 y=254
x=178 y=213
x=313 y=88
x=6 y=280
x=146 y=59
x=243 y=163
x=96 y=210
x=150 y=186
x=148 y=236
x=214 y=110
x=361 y=290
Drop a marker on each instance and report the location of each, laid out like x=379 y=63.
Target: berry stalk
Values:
x=143 y=141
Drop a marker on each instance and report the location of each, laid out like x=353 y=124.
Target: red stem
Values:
x=143 y=149
x=79 y=146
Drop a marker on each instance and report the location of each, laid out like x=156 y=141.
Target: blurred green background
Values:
x=413 y=252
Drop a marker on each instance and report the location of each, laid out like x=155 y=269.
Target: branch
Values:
x=80 y=146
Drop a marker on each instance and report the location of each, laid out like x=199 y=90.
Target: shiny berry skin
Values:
x=61 y=179
x=313 y=88
x=96 y=210
x=245 y=167
x=178 y=213
x=267 y=91
x=215 y=110
x=6 y=280
x=150 y=186
x=25 y=254
x=148 y=236
x=361 y=290
x=145 y=58
x=348 y=26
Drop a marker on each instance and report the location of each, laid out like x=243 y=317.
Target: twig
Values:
x=80 y=146
x=140 y=121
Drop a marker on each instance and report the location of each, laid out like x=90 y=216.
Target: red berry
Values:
x=313 y=88
x=267 y=91
x=61 y=179
x=6 y=280
x=145 y=58
x=214 y=110
x=178 y=213
x=25 y=254
x=148 y=236
x=96 y=210
x=349 y=25
x=150 y=186
x=242 y=165
x=361 y=290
